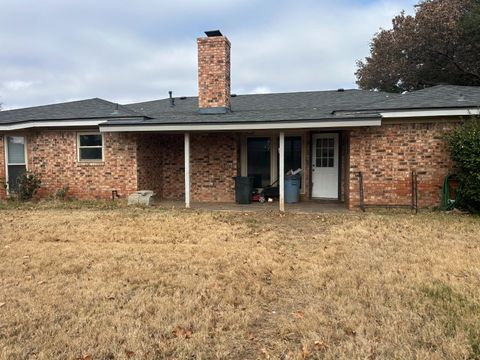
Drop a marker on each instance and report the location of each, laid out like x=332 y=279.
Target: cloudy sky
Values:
x=125 y=51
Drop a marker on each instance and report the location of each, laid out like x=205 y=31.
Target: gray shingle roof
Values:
x=313 y=105
x=82 y=109
x=436 y=97
x=259 y=107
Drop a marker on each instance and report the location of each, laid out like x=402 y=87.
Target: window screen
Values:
x=16 y=149
x=16 y=164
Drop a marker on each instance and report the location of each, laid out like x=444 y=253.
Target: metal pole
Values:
x=362 y=199
x=187 y=170
x=415 y=191
x=281 y=171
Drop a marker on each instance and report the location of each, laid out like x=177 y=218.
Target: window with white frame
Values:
x=16 y=161
x=90 y=146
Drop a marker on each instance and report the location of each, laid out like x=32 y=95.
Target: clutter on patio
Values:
x=243 y=189
x=245 y=193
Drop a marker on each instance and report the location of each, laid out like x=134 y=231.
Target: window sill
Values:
x=90 y=163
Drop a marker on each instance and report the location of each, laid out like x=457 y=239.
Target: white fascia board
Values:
x=42 y=124
x=430 y=113
x=248 y=126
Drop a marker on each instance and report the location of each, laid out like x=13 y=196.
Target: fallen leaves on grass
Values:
x=183 y=332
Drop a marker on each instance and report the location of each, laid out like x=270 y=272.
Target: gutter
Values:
x=301 y=124
x=29 y=124
x=409 y=112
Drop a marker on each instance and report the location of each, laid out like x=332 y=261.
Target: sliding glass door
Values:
x=16 y=161
x=259 y=160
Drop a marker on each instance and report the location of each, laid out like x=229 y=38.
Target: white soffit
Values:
x=43 y=124
x=247 y=126
x=430 y=113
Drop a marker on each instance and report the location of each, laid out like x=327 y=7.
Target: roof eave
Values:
x=59 y=123
x=388 y=110
x=239 y=126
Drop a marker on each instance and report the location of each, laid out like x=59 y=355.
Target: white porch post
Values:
x=187 y=170
x=281 y=170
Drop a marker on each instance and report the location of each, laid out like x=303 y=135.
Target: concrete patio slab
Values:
x=305 y=207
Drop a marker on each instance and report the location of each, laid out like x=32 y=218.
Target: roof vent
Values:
x=183 y=98
x=213 y=33
x=233 y=95
x=341 y=90
x=116 y=112
x=172 y=100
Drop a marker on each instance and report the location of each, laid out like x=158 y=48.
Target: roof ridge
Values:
x=441 y=86
x=42 y=106
x=123 y=107
x=266 y=94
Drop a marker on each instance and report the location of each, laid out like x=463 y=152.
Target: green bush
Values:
x=62 y=193
x=28 y=185
x=464 y=144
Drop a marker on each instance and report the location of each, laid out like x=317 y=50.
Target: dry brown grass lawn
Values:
x=143 y=284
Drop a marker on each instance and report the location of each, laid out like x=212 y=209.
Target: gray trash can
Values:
x=292 y=188
x=243 y=189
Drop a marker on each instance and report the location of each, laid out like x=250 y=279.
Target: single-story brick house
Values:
x=190 y=148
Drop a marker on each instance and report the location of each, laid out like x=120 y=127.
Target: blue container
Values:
x=292 y=188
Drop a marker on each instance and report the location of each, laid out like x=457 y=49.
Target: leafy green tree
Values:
x=440 y=44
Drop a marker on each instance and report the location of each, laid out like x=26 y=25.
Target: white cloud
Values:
x=126 y=51
x=17 y=85
x=261 y=90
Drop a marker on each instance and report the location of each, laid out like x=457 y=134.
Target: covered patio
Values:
x=198 y=168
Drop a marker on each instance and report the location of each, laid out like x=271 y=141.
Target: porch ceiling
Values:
x=207 y=125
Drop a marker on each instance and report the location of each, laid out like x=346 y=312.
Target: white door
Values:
x=325 y=166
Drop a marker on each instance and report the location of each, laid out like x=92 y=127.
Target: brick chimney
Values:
x=213 y=73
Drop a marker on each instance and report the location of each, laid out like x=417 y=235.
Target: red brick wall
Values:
x=388 y=154
x=213 y=72
x=213 y=164
x=173 y=165
x=344 y=170
x=149 y=163
x=161 y=165
x=53 y=154
x=134 y=161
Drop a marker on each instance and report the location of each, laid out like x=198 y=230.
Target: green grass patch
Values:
x=456 y=312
